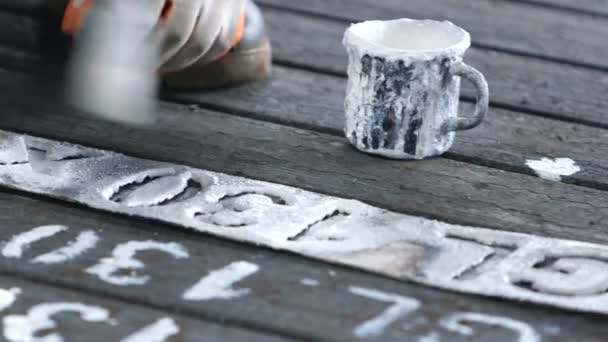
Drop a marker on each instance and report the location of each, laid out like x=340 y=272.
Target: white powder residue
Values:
x=376 y=326
x=12 y=149
x=122 y=259
x=8 y=297
x=467 y=259
x=158 y=331
x=553 y=169
x=309 y=282
x=456 y=323
x=218 y=284
x=85 y=241
x=158 y=190
x=14 y=248
x=28 y=328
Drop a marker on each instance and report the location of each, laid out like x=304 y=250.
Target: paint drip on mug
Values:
x=404 y=86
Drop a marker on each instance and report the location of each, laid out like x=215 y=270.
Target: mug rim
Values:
x=366 y=45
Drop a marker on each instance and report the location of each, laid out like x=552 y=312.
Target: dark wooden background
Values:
x=546 y=64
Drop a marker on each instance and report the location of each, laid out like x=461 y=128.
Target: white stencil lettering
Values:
x=375 y=327
x=456 y=323
x=122 y=259
x=218 y=284
x=27 y=328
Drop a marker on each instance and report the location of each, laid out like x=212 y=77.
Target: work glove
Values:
x=187 y=31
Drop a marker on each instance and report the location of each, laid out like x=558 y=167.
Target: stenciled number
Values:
x=457 y=323
x=375 y=327
x=123 y=259
x=27 y=328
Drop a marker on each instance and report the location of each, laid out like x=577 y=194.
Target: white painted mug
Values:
x=404 y=87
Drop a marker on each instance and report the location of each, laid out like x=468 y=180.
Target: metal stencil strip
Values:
x=561 y=273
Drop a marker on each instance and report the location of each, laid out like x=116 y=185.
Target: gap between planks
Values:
x=574 y=8
x=476 y=44
x=451 y=155
x=216 y=162
x=8 y=57
x=493 y=103
x=172 y=309
x=587 y=183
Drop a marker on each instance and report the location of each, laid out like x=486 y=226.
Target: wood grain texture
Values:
x=506 y=139
x=20 y=31
x=278 y=301
x=128 y=317
x=530 y=84
x=18 y=59
x=444 y=189
x=29 y=8
x=524 y=83
x=517 y=27
x=591 y=7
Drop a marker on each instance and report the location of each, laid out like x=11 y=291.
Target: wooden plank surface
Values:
x=591 y=7
x=320 y=162
x=525 y=83
x=123 y=319
x=506 y=140
x=286 y=295
x=504 y=25
x=19 y=31
x=530 y=84
x=32 y=7
x=279 y=301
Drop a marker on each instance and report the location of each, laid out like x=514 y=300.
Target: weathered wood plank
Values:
x=552 y=89
x=18 y=59
x=592 y=7
x=539 y=31
x=449 y=190
x=285 y=294
x=32 y=8
x=323 y=227
x=20 y=31
x=534 y=85
x=110 y=320
x=507 y=139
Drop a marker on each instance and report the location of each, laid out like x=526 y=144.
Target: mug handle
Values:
x=483 y=98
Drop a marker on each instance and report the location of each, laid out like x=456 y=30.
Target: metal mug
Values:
x=404 y=86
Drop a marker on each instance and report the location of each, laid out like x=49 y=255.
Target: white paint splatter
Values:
x=309 y=282
x=27 y=328
x=375 y=327
x=159 y=331
x=8 y=297
x=14 y=248
x=84 y=242
x=456 y=322
x=122 y=259
x=553 y=169
x=218 y=284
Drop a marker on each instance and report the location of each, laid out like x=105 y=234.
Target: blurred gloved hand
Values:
x=188 y=31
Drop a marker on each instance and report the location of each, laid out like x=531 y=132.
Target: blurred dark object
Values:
x=31 y=39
